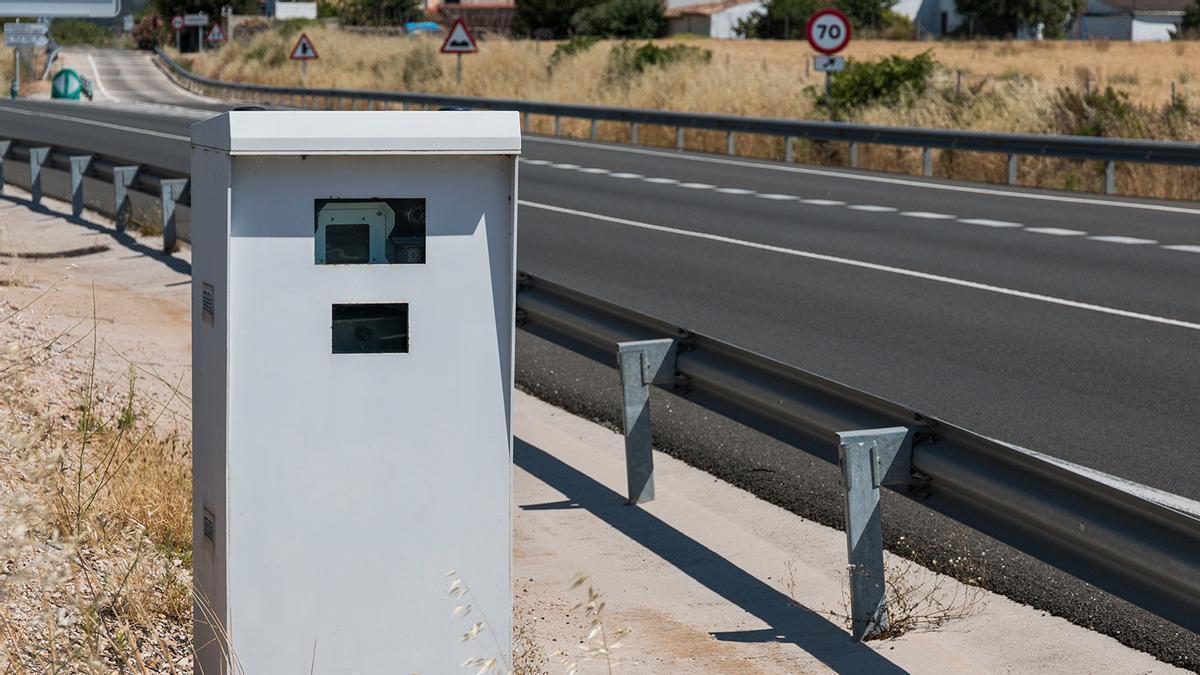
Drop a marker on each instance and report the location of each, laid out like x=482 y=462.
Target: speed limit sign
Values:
x=828 y=31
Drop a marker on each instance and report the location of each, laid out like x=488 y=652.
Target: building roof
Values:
x=703 y=8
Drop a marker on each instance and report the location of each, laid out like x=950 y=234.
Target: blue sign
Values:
x=422 y=27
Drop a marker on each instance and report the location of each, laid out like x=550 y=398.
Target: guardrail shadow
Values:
x=787 y=622
x=123 y=238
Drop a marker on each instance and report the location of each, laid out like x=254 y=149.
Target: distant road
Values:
x=1068 y=323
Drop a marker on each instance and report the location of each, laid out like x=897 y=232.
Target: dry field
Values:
x=985 y=85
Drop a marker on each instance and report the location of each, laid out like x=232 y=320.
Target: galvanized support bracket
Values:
x=730 y=143
x=37 y=160
x=594 y=130
x=642 y=363
x=853 y=155
x=123 y=177
x=679 y=138
x=633 y=132
x=870 y=459
x=172 y=192
x=927 y=162
x=79 y=166
x=4 y=147
x=558 y=125
x=789 y=149
x=1110 y=177
x=1012 y=169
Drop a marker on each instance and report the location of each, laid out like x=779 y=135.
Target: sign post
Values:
x=20 y=36
x=304 y=51
x=199 y=22
x=458 y=42
x=177 y=26
x=828 y=32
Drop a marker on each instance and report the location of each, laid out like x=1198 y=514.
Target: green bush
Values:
x=292 y=27
x=628 y=19
x=889 y=81
x=80 y=32
x=421 y=66
x=627 y=61
x=573 y=47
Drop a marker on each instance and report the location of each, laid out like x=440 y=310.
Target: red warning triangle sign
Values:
x=216 y=34
x=460 y=40
x=304 y=50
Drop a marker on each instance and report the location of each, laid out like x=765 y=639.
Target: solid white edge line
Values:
x=95 y=123
x=99 y=81
x=1112 y=311
x=864 y=177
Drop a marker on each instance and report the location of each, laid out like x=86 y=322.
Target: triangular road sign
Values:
x=216 y=34
x=304 y=50
x=459 y=41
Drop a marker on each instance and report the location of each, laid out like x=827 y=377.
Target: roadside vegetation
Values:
x=1096 y=88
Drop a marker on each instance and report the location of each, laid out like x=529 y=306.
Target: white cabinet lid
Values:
x=317 y=132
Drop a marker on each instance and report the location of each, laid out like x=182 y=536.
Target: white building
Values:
x=711 y=19
x=1136 y=20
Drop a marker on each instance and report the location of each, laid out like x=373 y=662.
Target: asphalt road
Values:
x=1067 y=323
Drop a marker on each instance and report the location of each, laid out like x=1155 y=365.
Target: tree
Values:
x=170 y=8
x=629 y=19
x=866 y=13
x=1191 y=21
x=1003 y=18
x=547 y=18
x=379 y=12
x=779 y=20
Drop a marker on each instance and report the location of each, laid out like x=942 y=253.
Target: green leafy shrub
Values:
x=571 y=48
x=80 y=32
x=627 y=60
x=421 y=66
x=291 y=27
x=889 y=81
x=628 y=19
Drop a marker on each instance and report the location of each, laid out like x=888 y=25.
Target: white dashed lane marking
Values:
x=1056 y=231
x=927 y=215
x=866 y=208
x=987 y=222
x=1123 y=240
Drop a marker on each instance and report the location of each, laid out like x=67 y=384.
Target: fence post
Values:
x=633 y=129
x=641 y=364
x=1110 y=177
x=37 y=159
x=789 y=150
x=594 y=130
x=927 y=162
x=123 y=177
x=869 y=459
x=4 y=147
x=1012 y=169
x=79 y=166
x=172 y=192
x=853 y=155
x=730 y=143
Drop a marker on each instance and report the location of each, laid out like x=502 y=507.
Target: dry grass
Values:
x=95 y=512
x=1005 y=86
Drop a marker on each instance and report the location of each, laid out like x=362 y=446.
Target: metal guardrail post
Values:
x=123 y=177
x=557 y=125
x=641 y=364
x=594 y=130
x=633 y=129
x=730 y=143
x=1012 y=169
x=172 y=192
x=868 y=460
x=789 y=149
x=1110 y=177
x=4 y=146
x=679 y=138
x=79 y=166
x=927 y=162
x=854 y=155
x=37 y=159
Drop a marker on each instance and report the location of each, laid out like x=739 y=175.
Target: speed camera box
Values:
x=352 y=332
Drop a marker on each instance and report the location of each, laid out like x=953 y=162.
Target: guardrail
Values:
x=1137 y=543
x=1108 y=150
